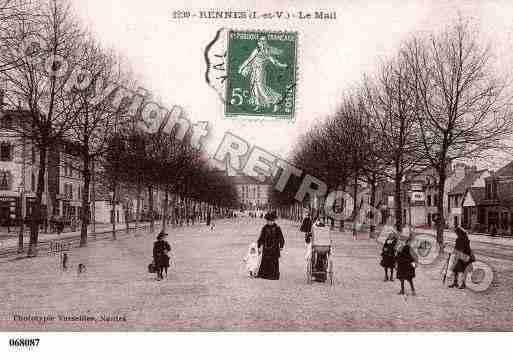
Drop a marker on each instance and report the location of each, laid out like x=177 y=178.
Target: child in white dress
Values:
x=252 y=260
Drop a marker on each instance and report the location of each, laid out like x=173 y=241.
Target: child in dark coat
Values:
x=161 y=249
x=406 y=259
x=388 y=255
x=464 y=255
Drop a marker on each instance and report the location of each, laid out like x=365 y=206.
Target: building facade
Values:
x=496 y=208
x=19 y=167
x=474 y=209
x=419 y=195
x=252 y=194
x=459 y=214
x=18 y=171
x=422 y=192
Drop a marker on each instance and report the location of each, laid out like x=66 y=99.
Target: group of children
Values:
x=398 y=254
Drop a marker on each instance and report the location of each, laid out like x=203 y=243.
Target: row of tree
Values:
x=439 y=99
x=69 y=88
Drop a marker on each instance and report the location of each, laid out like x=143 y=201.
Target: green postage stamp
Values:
x=261 y=74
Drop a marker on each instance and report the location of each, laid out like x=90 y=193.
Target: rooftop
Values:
x=466 y=182
x=505 y=171
x=478 y=194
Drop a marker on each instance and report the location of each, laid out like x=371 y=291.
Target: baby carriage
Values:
x=319 y=264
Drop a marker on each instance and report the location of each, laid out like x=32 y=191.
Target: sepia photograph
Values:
x=255 y=168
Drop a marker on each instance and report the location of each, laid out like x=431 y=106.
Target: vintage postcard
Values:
x=242 y=166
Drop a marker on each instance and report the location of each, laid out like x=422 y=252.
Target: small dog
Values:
x=212 y=226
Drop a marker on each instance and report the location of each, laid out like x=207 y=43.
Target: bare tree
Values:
x=392 y=107
x=99 y=113
x=354 y=129
x=12 y=13
x=463 y=109
x=38 y=81
x=315 y=156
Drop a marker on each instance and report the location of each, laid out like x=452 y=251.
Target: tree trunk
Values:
x=165 y=211
x=173 y=211
x=113 y=215
x=138 y=207
x=93 y=197
x=355 y=204
x=86 y=173
x=372 y=204
x=36 y=212
x=342 y=205
x=440 y=225
x=398 y=204
x=150 y=203
x=187 y=211
x=23 y=202
x=125 y=212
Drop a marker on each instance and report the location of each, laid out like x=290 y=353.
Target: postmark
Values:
x=254 y=72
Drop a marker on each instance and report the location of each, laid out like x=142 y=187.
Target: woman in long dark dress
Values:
x=270 y=243
x=464 y=254
x=405 y=260
x=160 y=256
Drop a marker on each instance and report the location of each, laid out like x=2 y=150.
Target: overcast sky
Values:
x=332 y=55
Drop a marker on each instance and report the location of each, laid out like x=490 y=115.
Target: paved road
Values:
x=208 y=290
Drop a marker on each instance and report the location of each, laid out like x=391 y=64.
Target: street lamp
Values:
x=21 y=191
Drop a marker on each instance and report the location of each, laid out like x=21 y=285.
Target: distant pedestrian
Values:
x=161 y=249
x=463 y=257
x=74 y=224
x=406 y=261
x=306 y=227
x=388 y=255
x=270 y=244
x=494 y=230
x=65 y=261
x=81 y=268
x=59 y=223
x=209 y=218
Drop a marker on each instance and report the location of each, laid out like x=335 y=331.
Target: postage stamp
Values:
x=261 y=74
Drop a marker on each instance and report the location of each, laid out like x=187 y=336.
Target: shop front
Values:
x=9 y=209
